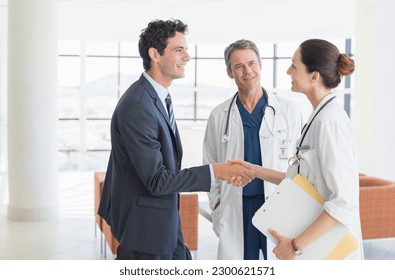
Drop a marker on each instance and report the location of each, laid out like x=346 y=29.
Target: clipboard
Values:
x=291 y=208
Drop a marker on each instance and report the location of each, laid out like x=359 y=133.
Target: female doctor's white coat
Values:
x=329 y=161
x=279 y=131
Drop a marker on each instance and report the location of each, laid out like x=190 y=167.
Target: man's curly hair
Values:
x=156 y=34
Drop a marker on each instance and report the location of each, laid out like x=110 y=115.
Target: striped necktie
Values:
x=169 y=107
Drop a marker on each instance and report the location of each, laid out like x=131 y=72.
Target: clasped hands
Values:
x=236 y=172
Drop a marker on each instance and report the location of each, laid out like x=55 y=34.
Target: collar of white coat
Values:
x=271 y=96
x=322 y=102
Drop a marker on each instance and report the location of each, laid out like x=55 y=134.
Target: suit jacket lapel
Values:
x=179 y=145
x=158 y=104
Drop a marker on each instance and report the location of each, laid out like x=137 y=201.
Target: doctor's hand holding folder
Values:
x=294 y=210
x=290 y=210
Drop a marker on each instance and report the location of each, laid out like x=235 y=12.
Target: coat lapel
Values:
x=158 y=104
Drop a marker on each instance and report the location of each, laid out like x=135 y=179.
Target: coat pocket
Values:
x=308 y=164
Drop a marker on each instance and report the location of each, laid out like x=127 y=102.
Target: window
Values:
x=93 y=75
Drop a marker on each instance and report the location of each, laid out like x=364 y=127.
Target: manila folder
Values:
x=290 y=209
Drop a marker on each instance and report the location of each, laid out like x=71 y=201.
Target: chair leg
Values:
x=105 y=248
x=101 y=242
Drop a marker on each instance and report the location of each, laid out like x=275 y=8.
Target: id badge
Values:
x=283 y=150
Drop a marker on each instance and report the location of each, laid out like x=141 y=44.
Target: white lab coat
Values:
x=278 y=135
x=330 y=163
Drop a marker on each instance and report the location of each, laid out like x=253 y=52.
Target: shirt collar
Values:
x=160 y=90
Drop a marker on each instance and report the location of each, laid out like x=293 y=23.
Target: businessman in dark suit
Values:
x=144 y=176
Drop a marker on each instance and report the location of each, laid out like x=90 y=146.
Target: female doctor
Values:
x=254 y=125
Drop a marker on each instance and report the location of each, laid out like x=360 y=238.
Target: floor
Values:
x=73 y=235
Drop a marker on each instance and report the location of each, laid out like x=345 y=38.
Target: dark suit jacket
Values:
x=143 y=178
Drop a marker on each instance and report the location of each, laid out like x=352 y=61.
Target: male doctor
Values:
x=256 y=126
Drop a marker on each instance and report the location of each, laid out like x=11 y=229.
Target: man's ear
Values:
x=230 y=74
x=153 y=54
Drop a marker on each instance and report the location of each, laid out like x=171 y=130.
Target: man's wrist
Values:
x=217 y=170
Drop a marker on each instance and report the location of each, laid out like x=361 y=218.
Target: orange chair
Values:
x=189 y=214
x=377 y=207
x=103 y=226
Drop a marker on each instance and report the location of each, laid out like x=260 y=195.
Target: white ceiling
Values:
x=209 y=21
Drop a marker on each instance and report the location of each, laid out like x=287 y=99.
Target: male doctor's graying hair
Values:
x=240 y=45
x=325 y=58
x=156 y=34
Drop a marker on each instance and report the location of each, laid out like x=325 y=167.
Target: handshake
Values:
x=236 y=172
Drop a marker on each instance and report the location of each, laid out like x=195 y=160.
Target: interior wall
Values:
x=384 y=58
x=3 y=102
x=209 y=21
x=375 y=88
x=3 y=65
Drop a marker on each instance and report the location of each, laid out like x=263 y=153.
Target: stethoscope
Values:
x=225 y=138
x=295 y=160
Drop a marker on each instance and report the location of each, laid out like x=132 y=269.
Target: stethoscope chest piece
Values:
x=294 y=161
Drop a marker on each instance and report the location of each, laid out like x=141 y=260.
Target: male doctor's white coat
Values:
x=280 y=128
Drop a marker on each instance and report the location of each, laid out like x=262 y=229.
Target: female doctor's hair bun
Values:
x=324 y=57
x=346 y=65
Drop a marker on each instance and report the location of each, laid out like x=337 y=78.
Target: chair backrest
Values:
x=377 y=207
x=104 y=227
x=189 y=214
x=373 y=181
x=99 y=181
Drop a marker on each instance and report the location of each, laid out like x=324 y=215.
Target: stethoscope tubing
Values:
x=226 y=136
